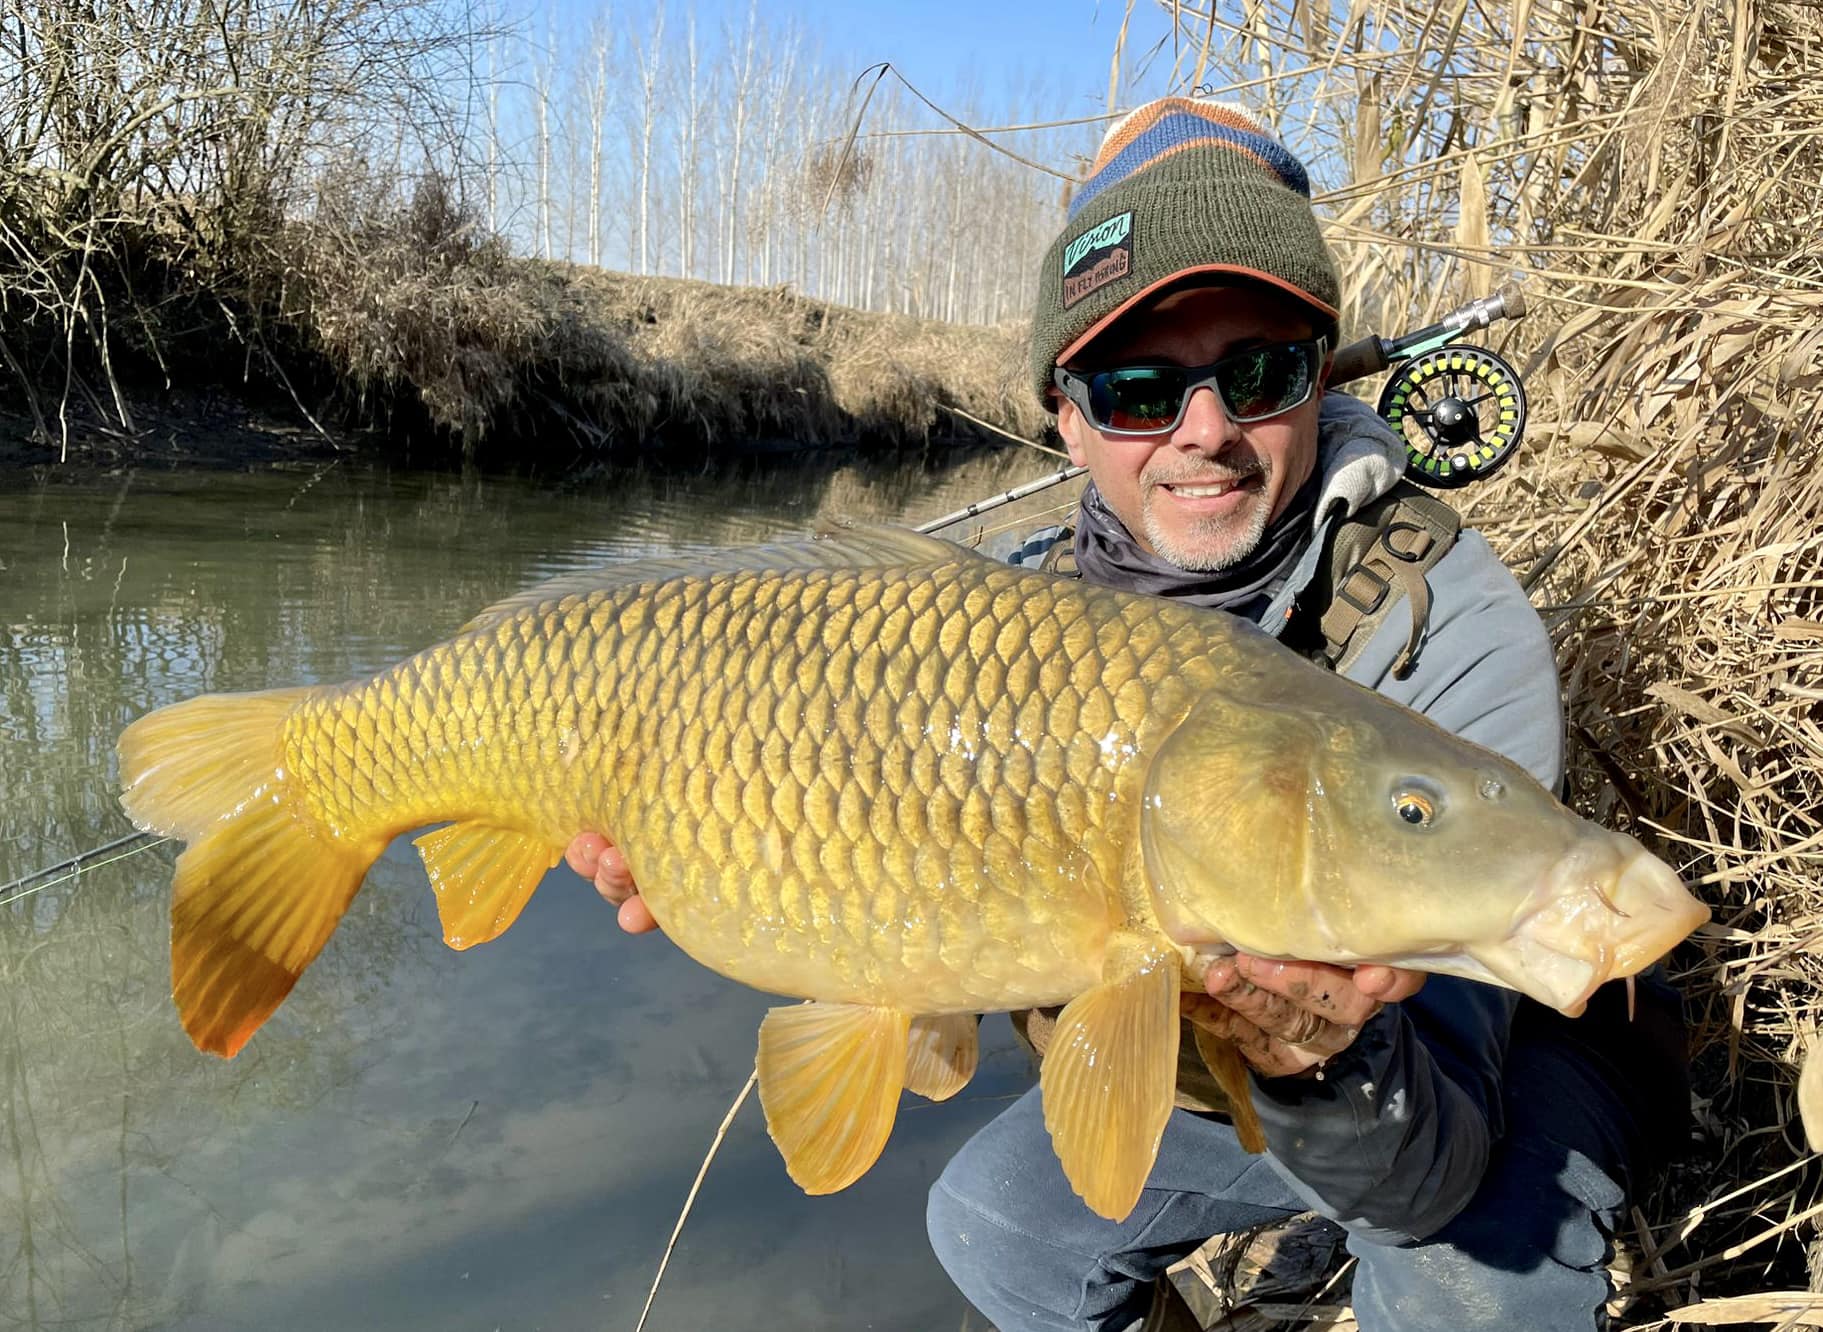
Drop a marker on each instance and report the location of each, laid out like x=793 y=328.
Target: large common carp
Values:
x=886 y=774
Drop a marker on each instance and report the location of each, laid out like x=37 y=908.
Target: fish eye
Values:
x=1415 y=808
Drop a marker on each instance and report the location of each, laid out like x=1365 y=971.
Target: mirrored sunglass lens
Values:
x=1264 y=382
x=1137 y=399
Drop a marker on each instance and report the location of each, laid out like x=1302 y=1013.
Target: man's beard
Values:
x=1211 y=545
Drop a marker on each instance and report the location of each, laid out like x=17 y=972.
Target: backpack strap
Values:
x=1377 y=556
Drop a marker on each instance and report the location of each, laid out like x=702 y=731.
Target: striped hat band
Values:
x=1173 y=125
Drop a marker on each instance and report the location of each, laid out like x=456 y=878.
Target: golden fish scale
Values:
x=908 y=787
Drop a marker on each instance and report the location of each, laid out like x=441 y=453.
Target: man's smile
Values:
x=1203 y=491
x=1211 y=492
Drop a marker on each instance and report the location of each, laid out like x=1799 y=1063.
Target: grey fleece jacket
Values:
x=1393 y=1141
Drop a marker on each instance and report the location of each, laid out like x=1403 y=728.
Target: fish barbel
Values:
x=885 y=774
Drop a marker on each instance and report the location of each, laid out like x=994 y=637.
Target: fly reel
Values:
x=1460 y=409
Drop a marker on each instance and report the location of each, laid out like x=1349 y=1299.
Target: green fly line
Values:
x=8 y=896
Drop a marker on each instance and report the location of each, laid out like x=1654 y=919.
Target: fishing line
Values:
x=696 y=1187
x=8 y=897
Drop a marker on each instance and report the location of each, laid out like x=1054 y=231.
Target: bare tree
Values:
x=541 y=89
x=651 y=62
x=492 y=167
x=739 y=111
x=689 y=150
x=180 y=136
x=777 y=154
x=598 y=101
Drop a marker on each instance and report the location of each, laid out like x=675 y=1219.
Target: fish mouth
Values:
x=1604 y=912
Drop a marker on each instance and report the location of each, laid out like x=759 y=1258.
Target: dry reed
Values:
x=1653 y=174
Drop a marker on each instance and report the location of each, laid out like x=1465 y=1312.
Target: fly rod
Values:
x=71 y=862
x=1004 y=497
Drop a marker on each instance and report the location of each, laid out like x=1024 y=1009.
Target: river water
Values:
x=494 y=1139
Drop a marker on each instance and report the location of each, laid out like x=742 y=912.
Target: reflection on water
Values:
x=419 y=1138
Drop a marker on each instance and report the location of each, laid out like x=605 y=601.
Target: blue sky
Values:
x=1053 y=53
x=1062 y=44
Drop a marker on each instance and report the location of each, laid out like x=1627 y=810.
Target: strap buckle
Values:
x=1368 y=599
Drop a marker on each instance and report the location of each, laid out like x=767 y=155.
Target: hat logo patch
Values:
x=1097 y=257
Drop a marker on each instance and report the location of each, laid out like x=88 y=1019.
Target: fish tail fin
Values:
x=262 y=884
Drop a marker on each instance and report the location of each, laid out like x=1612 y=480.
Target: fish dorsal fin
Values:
x=483 y=877
x=830 y=1077
x=1109 y=1078
x=835 y=548
x=941 y=1054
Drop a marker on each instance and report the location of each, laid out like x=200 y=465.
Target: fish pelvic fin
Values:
x=1110 y=1073
x=941 y=1053
x=483 y=876
x=830 y=1077
x=262 y=885
x=1223 y=1060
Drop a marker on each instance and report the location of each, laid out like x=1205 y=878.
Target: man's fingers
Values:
x=1280 y=1017
x=613 y=880
x=1268 y=1057
x=1329 y=992
x=1389 y=985
x=635 y=916
x=584 y=853
x=599 y=861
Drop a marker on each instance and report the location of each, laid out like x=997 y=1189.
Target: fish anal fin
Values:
x=1110 y=1073
x=483 y=876
x=1223 y=1060
x=941 y=1053
x=830 y=1077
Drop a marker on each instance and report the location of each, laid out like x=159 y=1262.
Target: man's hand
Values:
x=599 y=861
x=1288 y=1017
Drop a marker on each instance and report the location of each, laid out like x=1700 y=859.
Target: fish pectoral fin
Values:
x=483 y=876
x=940 y=1054
x=1110 y=1074
x=1223 y=1060
x=830 y=1077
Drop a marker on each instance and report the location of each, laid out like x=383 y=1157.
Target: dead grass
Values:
x=408 y=312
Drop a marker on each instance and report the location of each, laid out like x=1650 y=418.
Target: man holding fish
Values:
x=1476 y=1147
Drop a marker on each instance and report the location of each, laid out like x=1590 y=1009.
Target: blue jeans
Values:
x=1528 y=1254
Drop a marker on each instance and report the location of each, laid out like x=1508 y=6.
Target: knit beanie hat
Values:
x=1179 y=187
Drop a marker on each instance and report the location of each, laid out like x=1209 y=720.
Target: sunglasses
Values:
x=1253 y=384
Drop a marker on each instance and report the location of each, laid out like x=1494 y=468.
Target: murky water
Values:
x=419 y=1138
